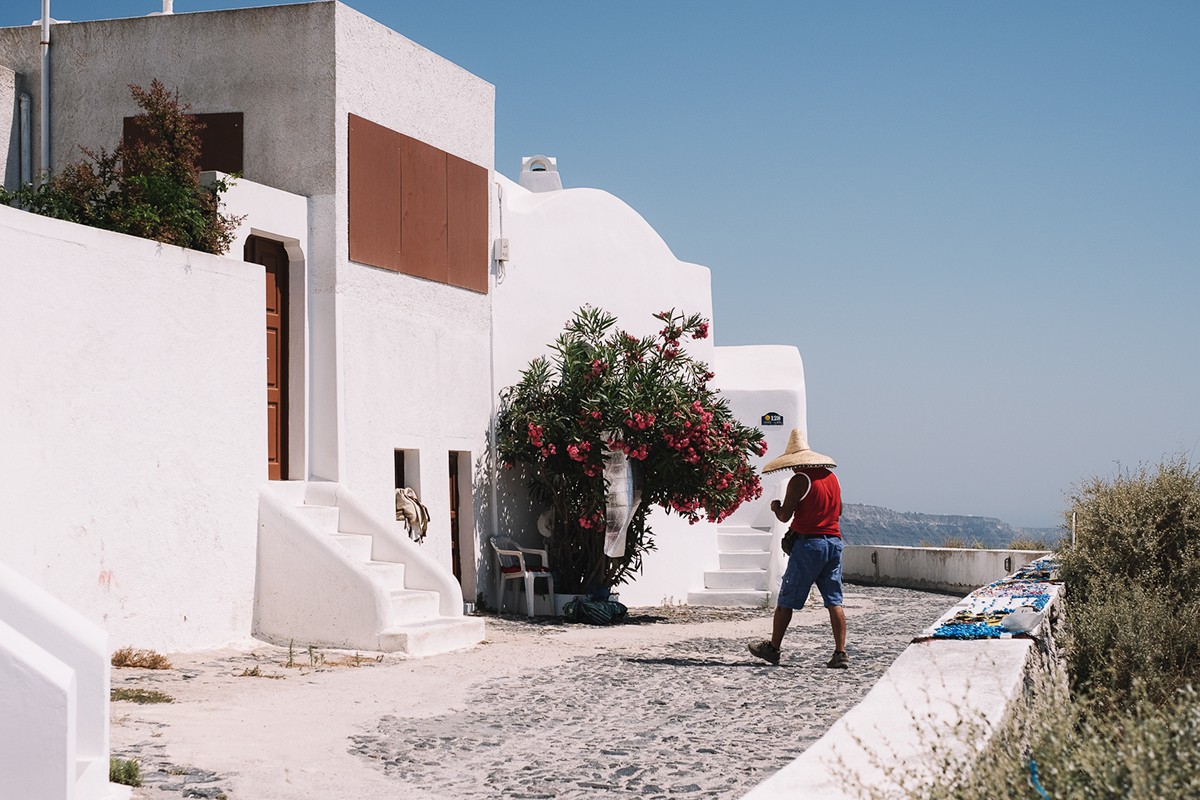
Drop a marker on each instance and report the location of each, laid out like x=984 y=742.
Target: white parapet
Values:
x=37 y=721
x=54 y=681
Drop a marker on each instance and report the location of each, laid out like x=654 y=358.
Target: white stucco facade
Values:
x=138 y=455
x=413 y=354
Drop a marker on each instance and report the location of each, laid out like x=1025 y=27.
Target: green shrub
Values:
x=140 y=696
x=149 y=189
x=124 y=771
x=1132 y=574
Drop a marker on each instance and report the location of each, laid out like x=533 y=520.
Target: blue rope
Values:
x=1034 y=782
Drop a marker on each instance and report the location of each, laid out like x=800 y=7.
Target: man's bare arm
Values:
x=797 y=490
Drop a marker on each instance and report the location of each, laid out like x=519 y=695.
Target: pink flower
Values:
x=535 y=434
x=702 y=331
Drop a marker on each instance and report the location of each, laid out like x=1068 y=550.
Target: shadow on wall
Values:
x=516 y=517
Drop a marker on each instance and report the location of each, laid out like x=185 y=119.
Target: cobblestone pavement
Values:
x=673 y=706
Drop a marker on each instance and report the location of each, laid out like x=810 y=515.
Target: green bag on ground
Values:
x=594 y=612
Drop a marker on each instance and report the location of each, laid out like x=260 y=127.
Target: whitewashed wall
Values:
x=390 y=361
x=280 y=216
x=413 y=354
x=756 y=380
x=132 y=413
x=580 y=246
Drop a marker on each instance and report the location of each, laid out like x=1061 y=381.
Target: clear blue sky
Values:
x=979 y=222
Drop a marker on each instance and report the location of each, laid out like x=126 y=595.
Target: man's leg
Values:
x=837 y=621
x=779 y=626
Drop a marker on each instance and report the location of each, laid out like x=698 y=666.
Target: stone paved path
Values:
x=670 y=706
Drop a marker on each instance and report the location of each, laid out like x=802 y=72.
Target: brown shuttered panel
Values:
x=467 y=224
x=220 y=139
x=422 y=209
x=416 y=209
x=374 y=194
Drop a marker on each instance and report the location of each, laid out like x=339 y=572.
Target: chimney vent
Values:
x=540 y=174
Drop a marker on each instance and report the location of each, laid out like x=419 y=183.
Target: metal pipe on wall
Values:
x=26 y=131
x=44 y=162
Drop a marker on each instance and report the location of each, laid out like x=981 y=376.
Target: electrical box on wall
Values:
x=500 y=249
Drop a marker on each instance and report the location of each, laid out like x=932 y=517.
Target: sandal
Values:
x=839 y=661
x=766 y=651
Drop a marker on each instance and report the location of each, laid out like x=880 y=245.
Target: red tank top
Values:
x=818 y=512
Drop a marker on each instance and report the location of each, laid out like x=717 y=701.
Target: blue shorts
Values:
x=814 y=559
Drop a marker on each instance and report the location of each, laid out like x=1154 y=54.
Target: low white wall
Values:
x=574 y=247
x=944 y=569
x=37 y=721
x=913 y=708
x=915 y=716
x=73 y=643
x=133 y=416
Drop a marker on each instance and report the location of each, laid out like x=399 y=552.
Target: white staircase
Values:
x=330 y=575
x=744 y=558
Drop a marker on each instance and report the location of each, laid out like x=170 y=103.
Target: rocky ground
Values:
x=668 y=705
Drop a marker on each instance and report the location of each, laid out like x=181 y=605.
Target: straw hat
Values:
x=798 y=454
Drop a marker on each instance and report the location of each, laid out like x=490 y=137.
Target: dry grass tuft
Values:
x=141 y=659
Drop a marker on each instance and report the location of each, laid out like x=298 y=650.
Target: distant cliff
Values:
x=875 y=525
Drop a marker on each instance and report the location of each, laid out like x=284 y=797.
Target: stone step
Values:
x=736 y=579
x=728 y=599
x=358 y=544
x=754 y=559
x=412 y=605
x=430 y=637
x=323 y=518
x=387 y=574
x=743 y=541
x=292 y=491
x=321 y=493
x=741 y=529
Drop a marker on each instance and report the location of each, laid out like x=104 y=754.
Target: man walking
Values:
x=812 y=506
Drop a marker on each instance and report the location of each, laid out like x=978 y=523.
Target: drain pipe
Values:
x=493 y=456
x=26 y=172
x=44 y=162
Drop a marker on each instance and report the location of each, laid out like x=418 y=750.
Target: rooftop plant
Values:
x=149 y=188
x=604 y=391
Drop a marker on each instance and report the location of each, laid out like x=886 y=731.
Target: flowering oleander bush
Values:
x=605 y=390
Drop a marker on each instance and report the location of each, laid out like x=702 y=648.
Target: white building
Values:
x=156 y=484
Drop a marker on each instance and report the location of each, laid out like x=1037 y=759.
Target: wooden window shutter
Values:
x=416 y=209
x=374 y=194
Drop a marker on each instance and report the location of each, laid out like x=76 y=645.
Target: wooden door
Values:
x=455 y=556
x=273 y=257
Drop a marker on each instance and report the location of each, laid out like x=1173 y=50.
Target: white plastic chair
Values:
x=512 y=564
